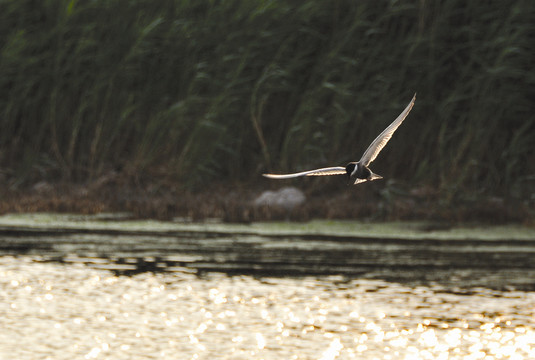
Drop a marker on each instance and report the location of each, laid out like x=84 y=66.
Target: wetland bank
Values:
x=147 y=111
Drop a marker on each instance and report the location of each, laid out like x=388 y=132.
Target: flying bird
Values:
x=358 y=171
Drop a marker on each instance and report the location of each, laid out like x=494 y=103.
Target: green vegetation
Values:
x=202 y=91
x=406 y=230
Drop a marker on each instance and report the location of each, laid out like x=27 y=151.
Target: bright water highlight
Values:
x=69 y=311
x=76 y=287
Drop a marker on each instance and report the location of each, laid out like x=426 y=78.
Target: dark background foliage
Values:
x=204 y=91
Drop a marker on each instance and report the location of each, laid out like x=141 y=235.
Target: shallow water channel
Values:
x=76 y=288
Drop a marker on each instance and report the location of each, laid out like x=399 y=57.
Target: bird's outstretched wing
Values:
x=336 y=170
x=379 y=143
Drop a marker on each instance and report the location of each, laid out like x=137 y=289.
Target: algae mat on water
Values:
x=118 y=223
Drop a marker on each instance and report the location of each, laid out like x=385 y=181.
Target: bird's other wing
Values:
x=336 y=170
x=379 y=143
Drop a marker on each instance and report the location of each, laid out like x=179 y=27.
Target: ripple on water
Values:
x=74 y=311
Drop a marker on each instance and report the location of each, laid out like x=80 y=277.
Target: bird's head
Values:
x=351 y=170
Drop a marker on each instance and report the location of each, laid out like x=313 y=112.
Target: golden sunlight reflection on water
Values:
x=53 y=311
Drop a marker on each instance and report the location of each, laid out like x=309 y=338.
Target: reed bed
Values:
x=201 y=91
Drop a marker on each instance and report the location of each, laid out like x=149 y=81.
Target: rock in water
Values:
x=285 y=198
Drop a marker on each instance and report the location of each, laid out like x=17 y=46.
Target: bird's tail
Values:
x=374 y=176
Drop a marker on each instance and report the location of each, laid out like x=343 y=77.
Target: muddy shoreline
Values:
x=234 y=203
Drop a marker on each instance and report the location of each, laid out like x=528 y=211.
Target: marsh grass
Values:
x=197 y=91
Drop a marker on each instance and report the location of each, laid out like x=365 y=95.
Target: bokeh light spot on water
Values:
x=73 y=311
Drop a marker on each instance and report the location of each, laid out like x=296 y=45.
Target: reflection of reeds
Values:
x=223 y=90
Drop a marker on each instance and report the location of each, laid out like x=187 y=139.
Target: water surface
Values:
x=67 y=311
x=79 y=293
